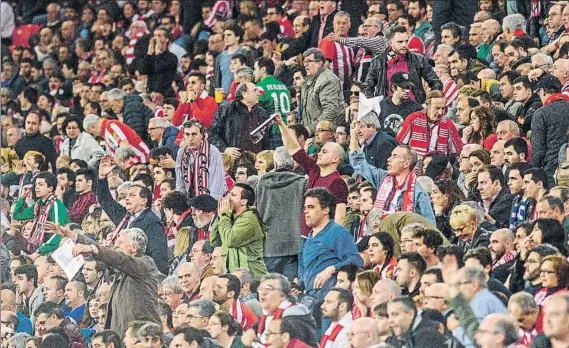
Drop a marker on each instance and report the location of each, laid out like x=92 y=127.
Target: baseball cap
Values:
x=402 y=79
x=204 y=202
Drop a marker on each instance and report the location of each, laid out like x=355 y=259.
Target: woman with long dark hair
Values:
x=381 y=254
x=482 y=128
x=445 y=196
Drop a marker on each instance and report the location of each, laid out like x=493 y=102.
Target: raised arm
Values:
x=289 y=139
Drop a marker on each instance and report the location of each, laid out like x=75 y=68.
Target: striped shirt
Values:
x=343 y=60
x=450 y=90
x=115 y=132
x=377 y=44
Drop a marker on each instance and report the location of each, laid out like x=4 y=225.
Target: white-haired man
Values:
x=117 y=135
x=136 y=295
x=513 y=25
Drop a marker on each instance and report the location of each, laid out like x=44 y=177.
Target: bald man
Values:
x=435 y=298
x=364 y=333
x=497 y=154
x=322 y=172
x=561 y=71
x=300 y=25
x=8 y=305
x=189 y=278
x=503 y=253
x=384 y=291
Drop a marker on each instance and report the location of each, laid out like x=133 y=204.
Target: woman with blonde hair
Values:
x=468 y=228
x=363 y=286
x=264 y=162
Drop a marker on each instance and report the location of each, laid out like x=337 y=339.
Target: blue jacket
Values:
x=375 y=176
x=332 y=246
x=168 y=139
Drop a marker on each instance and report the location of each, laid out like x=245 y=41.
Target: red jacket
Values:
x=296 y=343
x=203 y=109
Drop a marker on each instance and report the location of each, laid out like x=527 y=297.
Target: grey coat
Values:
x=322 y=99
x=549 y=125
x=86 y=148
x=134 y=295
x=280 y=205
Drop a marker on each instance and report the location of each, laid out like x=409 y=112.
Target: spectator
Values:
x=34 y=141
x=197 y=105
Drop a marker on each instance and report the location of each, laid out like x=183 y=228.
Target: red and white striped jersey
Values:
x=450 y=89
x=115 y=132
x=343 y=60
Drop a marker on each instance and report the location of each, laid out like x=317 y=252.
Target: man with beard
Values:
x=337 y=308
x=516 y=151
x=521 y=204
x=226 y=294
x=24 y=79
x=532 y=267
x=503 y=253
x=496 y=199
x=396 y=108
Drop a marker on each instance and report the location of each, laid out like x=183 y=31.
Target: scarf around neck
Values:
x=196 y=179
x=387 y=190
x=41 y=216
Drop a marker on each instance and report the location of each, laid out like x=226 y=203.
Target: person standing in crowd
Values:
x=199 y=166
x=35 y=141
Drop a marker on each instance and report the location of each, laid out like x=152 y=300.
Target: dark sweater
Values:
x=392 y=116
x=38 y=143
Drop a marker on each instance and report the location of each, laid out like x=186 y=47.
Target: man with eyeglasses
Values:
x=276 y=14
x=497 y=331
x=436 y=298
x=274 y=290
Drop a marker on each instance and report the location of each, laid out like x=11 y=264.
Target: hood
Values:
x=280 y=179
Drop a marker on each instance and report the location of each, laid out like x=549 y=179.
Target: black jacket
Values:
x=379 y=150
x=140 y=49
x=525 y=114
x=147 y=221
x=418 y=68
x=481 y=237
x=423 y=334
x=229 y=123
x=137 y=116
x=37 y=142
x=549 y=127
x=501 y=208
x=315 y=28
x=161 y=70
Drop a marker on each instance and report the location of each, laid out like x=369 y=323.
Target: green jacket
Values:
x=242 y=240
x=51 y=242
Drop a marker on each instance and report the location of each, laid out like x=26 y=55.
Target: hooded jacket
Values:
x=242 y=240
x=278 y=204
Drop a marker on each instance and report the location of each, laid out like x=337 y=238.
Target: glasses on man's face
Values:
x=308 y=61
x=192 y=316
x=266 y=288
x=354 y=93
x=460 y=230
x=320 y=130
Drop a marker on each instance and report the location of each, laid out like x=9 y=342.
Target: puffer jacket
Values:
x=137 y=115
x=242 y=240
x=418 y=68
x=322 y=99
x=86 y=148
x=227 y=129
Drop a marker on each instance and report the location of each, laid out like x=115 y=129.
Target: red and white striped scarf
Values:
x=130 y=48
x=333 y=331
x=41 y=216
x=419 y=133
x=267 y=318
x=387 y=189
x=111 y=237
x=236 y=311
x=196 y=179
x=509 y=256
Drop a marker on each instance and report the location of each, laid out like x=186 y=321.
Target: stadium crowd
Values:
x=271 y=173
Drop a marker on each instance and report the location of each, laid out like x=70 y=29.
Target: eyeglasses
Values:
x=341 y=133
x=356 y=93
x=191 y=316
x=167 y=294
x=460 y=229
x=465 y=282
x=320 y=130
x=308 y=61
x=372 y=13
x=150 y=129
